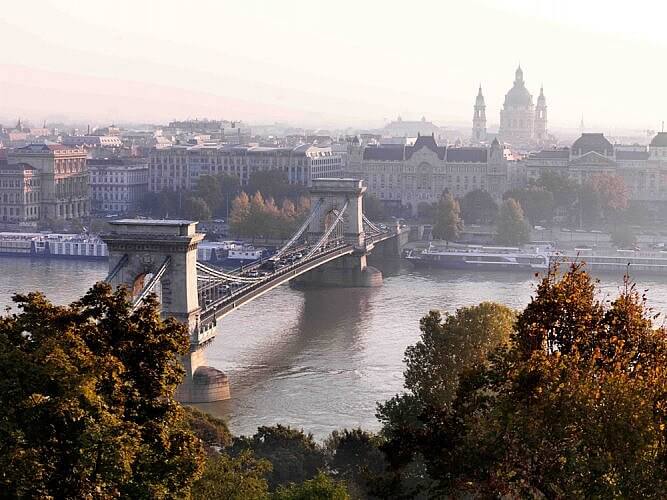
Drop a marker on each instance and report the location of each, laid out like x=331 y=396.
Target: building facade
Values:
x=179 y=167
x=117 y=185
x=19 y=193
x=404 y=176
x=62 y=176
x=643 y=169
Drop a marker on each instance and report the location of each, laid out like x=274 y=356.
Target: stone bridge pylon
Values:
x=140 y=250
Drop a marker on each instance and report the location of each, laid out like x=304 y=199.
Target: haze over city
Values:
x=331 y=65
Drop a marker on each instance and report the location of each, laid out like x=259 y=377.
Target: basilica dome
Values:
x=518 y=96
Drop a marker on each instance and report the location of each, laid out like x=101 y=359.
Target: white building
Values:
x=180 y=167
x=117 y=185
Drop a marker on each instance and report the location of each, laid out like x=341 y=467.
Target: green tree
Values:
x=295 y=456
x=233 y=478
x=448 y=345
x=448 y=224
x=426 y=210
x=321 y=487
x=537 y=203
x=478 y=207
x=212 y=431
x=563 y=189
x=356 y=457
x=87 y=405
x=196 y=208
x=623 y=237
x=511 y=228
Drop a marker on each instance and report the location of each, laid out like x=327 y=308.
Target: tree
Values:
x=537 y=203
x=87 y=400
x=196 y=208
x=233 y=478
x=563 y=189
x=274 y=183
x=321 y=487
x=373 y=208
x=295 y=456
x=478 y=207
x=448 y=345
x=512 y=228
x=240 y=214
x=572 y=406
x=612 y=192
x=357 y=458
x=448 y=224
x=426 y=210
x=623 y=237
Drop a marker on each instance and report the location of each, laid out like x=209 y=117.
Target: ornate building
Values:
x=521 y=121
x=403 y=176
x=643 y=169
x=44 y=181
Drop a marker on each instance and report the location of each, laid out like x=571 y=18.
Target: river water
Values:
x=317 y=359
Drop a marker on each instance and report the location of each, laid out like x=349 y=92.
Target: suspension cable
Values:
x=121 y=263
x=313 y=213
x=325 y=236
x=151 y=284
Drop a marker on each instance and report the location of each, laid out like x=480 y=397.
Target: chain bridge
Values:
x=328 y=249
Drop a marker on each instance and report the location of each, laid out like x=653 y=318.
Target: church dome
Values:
x=518 y=95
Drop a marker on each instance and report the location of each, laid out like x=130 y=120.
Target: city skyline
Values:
x=356 y=65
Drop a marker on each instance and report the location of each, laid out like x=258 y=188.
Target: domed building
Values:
x=521 y=122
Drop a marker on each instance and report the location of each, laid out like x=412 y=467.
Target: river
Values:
x=317 y=359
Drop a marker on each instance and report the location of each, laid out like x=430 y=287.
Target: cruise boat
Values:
x=77 y=246
x=482 y=258
x=231 y=254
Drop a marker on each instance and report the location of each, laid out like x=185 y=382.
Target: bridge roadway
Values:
x=238 y=296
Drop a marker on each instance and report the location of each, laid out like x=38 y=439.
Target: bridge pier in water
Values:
x=140 y=250
x=331 y=195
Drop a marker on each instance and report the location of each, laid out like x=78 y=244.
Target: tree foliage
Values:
x=86 y=400
x=478 y=207
x=512 y=228
x=536 y=202
x=196 y=208
x=574 y=405
x=257 y=216
x=563 y=190
x=295 y=456
x=447 y=224
x=233 y=478
x=321 y=487
x=623 y=237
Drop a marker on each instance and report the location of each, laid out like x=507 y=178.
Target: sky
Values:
x=331 y=64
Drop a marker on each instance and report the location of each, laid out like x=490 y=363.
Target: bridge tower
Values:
x=331 y=195
x=141 y=248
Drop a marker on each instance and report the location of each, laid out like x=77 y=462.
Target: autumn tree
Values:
x=478 y=207
x=448 y=224
x=240 y=214
x=511 y=228
x=87 y=405
x=612 y=192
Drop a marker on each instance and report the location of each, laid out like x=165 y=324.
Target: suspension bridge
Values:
x=328 y=249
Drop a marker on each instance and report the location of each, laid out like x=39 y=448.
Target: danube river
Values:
x=319 y=359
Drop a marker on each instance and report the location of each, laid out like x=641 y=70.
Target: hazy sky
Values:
x=331 y=63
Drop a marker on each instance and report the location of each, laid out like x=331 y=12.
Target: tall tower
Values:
x=541 y=117
x=479 y=119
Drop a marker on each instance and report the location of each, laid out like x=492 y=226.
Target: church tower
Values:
x=479 y=119
x=541 y=117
